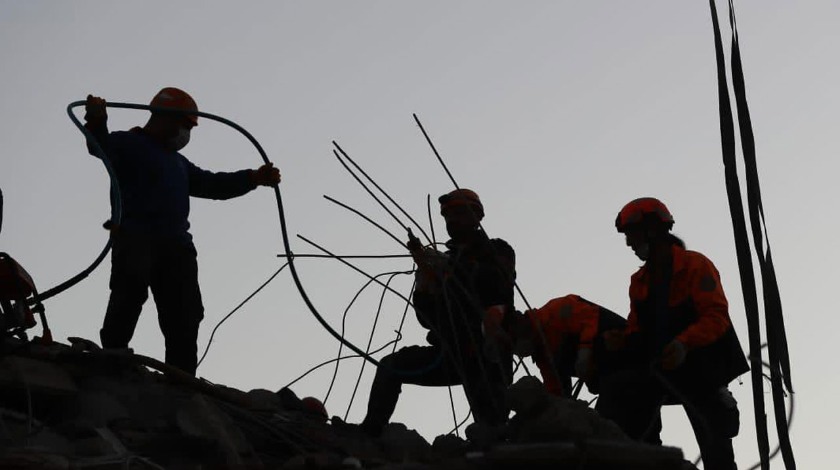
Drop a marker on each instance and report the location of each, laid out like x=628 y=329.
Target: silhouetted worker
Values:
x=152 y=246
x=565 y=339
x=680 y=337
x=459 y=295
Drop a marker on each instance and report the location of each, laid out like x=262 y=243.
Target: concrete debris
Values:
x=76 y=406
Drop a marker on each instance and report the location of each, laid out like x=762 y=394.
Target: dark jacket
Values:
x=156 y=184
x=478 y=275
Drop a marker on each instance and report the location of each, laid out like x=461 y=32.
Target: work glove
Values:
x=95 y=112
x=585 y=364
x=673 y=355
x=265 y=175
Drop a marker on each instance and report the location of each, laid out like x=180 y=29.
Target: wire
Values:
x=452 y=405
x=313 y=255
x=387 y=232
x=343 y=326
x=251 y=296
x=370 y=341
x=337 y=359
x=401 y=224
x=382 y=191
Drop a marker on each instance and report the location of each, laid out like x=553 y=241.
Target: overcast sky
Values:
x=556 y=112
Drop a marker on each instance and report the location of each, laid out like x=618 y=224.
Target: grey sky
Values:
x=556 y=112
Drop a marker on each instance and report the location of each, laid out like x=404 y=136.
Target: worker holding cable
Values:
x=680 y=338
x=463 y=296
x=152 y=245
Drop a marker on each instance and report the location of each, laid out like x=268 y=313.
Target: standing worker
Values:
x=565 y=339
x=152 y=246
x=680 y=337
x=461 y=296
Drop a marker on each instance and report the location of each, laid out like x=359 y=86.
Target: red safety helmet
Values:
x=641 y=209
x=459 y=197
x=171 y=97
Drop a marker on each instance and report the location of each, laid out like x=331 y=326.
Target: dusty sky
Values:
x=556 y=112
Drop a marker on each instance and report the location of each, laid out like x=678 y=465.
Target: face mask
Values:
x=181 y=140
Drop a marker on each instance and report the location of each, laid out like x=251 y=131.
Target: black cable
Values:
x=458 y=426
x=742 y=249
x=213 y=333
x=370 y=341
x=454 y=415
x=382 y=191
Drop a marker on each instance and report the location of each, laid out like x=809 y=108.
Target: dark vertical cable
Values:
x=742 y=249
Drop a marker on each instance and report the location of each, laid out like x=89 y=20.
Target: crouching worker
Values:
x=680 y=338
x=459 y=295
x=564 y=337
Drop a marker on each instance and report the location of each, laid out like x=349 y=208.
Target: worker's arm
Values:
x=550 y=377
x=710 y=303
x=209 y=185
x=96 y=121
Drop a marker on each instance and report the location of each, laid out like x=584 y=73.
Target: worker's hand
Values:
x=585 y=364
x=266 y=175
x=95 y=112
x=414 y=244
x=615 y=340
x=673 y=355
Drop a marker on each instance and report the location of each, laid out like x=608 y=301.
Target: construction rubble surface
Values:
x=76 y=406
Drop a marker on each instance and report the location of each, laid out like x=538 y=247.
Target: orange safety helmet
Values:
x=171 y=97
x=460 y=197
x=641 y=209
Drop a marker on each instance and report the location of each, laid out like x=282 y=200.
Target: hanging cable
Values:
x=774 y=320
x=213 y=333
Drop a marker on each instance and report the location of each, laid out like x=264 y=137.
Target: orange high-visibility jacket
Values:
x=697 y=315
x=564 y=320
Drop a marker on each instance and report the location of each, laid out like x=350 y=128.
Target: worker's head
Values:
x=462 y=210
x=646 y=224
x=172 y=126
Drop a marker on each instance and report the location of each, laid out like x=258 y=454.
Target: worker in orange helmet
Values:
x=564 y=338
x=679 y=336
x=152 y=246
x=463 y=296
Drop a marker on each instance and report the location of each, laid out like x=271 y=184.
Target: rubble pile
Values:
x=77 y=407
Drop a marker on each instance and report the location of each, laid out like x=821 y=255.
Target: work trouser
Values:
x=170 y=269
x=484 y=382
x=633 y=400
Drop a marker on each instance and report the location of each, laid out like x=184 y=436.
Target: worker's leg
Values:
x=714 y=418
x=633 y=401
x=130 y=272
x=178 y=298
x=419 y=365
x=485 y=383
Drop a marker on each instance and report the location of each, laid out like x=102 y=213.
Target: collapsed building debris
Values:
x=77 y=407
